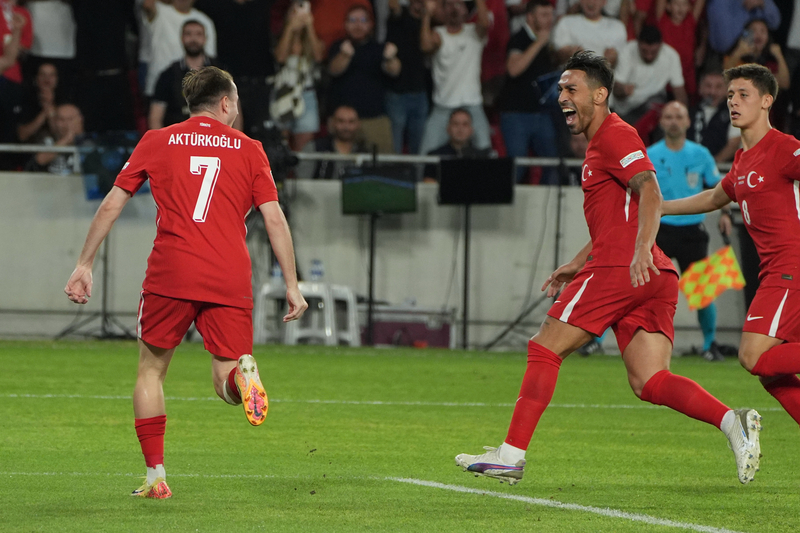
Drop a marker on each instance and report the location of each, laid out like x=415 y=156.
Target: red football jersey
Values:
x=615 y=154
x=205 y=177
x=763 y=181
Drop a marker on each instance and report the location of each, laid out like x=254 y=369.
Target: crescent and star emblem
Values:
x=760 y=179
x=583 y=173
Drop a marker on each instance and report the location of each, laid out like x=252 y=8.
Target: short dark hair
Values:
x=203 y=88
x=356 y=7
x=533 y=4
x=597 y=68
x=457 y=110
x=650 y=35
x=192 y=21
x=345 y=106
x=760 y=76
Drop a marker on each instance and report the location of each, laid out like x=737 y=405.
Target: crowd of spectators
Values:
x=402 y=76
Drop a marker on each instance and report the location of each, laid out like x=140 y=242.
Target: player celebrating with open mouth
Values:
x=620 y=279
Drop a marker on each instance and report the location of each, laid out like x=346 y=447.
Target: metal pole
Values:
x=465 y=304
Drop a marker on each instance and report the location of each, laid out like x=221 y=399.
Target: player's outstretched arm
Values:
x=646 y=186
x=79 y=286
x=704 y=202
x=281 y=240
x=565 y=273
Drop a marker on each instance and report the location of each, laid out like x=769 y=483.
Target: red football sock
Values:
x=787 y=391
x=234 y=390
x=779 y=360
x=685 y=396
x=151 y=436
x=537 y=389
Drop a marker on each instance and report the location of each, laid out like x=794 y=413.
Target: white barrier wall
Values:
x=419 y=257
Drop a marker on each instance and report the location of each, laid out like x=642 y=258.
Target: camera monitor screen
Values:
x=477 y=181
x=381 y=189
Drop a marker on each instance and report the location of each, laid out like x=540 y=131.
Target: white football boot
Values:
x=743 y=440
x=489 y=464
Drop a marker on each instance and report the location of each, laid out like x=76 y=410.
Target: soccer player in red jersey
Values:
x=620 y=279
x=205 y=177
x=764 y=182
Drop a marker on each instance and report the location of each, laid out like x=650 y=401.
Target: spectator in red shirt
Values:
x=677 y=20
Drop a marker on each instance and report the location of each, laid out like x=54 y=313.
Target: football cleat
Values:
x=743 y=440
x=254 y=397
x=489 y=464
x=157 y=490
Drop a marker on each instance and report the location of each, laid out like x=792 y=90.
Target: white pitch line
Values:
x=642 y=405
x=604 y=511
x=119 y=474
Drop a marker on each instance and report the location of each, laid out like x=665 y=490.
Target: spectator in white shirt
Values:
x=646 y=68
x=589 y=30
x=456 y=50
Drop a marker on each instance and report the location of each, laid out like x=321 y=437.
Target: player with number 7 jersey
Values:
x=205 y=178
x=764 y=181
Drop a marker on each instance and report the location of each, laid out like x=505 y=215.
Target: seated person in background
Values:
x=646 y=68
x=168 y=106
x=459 y=144
x=711 y=120
x=343 y=138
x=358 y=67
x=39 y=104
x=67 y=127
x=589 y=30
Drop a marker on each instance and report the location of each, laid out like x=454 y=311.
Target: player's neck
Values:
x=751 y=135
x=597 y=121
x=207 y=114
x=675 y=143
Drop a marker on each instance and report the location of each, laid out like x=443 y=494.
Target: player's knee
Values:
x=637 y=385
x=748 y=359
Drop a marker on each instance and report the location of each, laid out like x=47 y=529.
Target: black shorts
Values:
x=686 y=244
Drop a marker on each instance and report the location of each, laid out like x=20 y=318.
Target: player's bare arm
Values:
x=705 y=202
x=646 y=186
x=79 y=286
x=566 y=272
x=281 y=240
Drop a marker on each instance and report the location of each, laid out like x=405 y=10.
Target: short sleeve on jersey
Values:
x=263 y=183
x=133 y=173
x=729 y=185
x=626 y=155
x=790 y=166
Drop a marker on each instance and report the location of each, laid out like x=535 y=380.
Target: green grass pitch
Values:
x=346 y=425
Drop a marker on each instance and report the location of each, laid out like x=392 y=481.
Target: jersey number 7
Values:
x=211 y=166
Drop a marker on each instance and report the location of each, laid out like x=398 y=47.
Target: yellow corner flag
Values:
x=706 y=279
